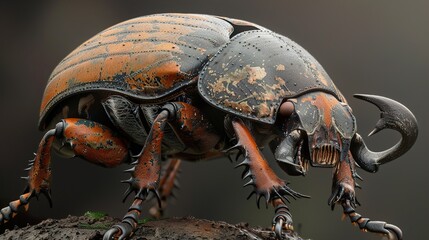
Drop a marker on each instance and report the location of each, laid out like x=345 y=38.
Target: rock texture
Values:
x=87 y=227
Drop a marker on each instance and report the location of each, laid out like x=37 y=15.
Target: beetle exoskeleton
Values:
x=194 y=87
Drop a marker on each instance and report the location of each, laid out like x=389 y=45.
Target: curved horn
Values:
x=393 y=115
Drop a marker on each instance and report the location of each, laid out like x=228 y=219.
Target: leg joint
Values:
x=172 y=108
x=59 y=129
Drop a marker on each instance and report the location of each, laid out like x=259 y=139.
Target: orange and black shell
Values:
x=256 y=71
x=154 y=58
x=148 y=58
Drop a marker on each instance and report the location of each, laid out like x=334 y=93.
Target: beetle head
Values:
x=317 y=129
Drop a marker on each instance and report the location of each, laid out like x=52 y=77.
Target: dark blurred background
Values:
x=376 y=47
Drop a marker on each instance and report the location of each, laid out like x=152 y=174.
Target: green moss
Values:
x=95 y=215
x=145 y=220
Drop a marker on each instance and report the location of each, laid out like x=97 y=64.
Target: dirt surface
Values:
x=86 y=227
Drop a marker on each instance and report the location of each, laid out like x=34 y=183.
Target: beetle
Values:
x=173 y=87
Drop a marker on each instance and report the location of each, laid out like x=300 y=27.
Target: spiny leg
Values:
x=38 y=177
x=145 y=179
x=192 y=128
x=166 y=186
x=89 y=140
x=263 y=179
x=343 y=184
x=343 y=193
x=201 y=141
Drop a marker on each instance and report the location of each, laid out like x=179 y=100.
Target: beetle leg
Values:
x=343 y=193
x=197 y=133
x=38 y=179
x=192 y=128
x=365 y=224
x=262 y=177
x=282 y=219
x=145 y=178
x=166 y=185
x=89 y=140
x=343 y=185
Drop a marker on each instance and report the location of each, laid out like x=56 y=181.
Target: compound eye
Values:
x=309 y=116
x=286 y=109
x=344 y=121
